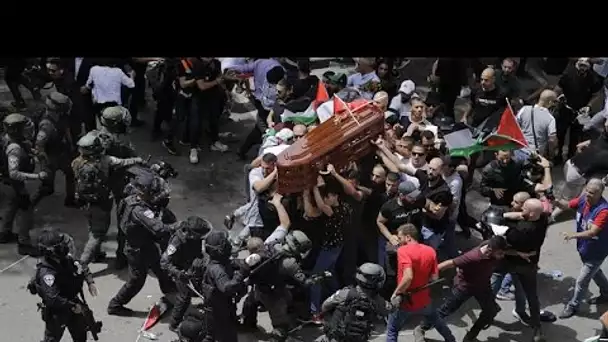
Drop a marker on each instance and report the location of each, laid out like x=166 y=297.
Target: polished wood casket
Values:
x=339 y=140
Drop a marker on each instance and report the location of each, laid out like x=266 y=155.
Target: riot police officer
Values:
x=19 y=168
x=58 y=282
x=114 y=125
x=143 y=229
x=354 y=309
x=222 y=282
x=54 y=147
x=270 y=272
x=92 y=169
x=185 y=245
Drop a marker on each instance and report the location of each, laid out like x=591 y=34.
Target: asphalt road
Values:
x=213 y=188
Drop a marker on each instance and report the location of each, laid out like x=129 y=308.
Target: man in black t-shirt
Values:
x=438 y=201
x=525 y=240
x=209 y=97
x=580 y=87
x=406 y=208
x=485 y=101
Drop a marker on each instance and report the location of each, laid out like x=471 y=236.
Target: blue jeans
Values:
x=326 y=261
x=591 y=270
x=381 y=250
x=397 y=319
x=505 y=287
x=520 y=297
x=445 y=241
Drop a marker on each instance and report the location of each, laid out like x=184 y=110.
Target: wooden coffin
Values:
x=337 y=141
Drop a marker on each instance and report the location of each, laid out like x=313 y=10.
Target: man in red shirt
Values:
x=416 y=266
x=591 y=243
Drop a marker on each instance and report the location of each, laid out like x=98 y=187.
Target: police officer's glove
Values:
x=42 y=175
x=77 y=309
x=253 y=260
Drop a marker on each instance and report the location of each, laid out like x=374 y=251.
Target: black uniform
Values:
x=269 y=288
x=497 y=176
x=176 y=261
x=142 y=229
x=58 y=285
x=222 y=282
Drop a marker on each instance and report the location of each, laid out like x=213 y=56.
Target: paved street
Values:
x=213 y=188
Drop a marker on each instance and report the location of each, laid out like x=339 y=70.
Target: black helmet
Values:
x=147 y=184
x=217 y=245
x=296 y=243
x=444 y=123
x=370 y=276
x=164 y=170
x=191 y=330
x=53 y=243
x=493 y=215
x=196 y=226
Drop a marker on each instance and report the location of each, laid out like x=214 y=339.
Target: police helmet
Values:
x=53 y=243
x=15 y=123
x=191 y=330
x=147 y=184
x=58 y=103
x=197 y=226
x=444 y=123
x=90 y=144
x=116 y=119
x=217 y=245
x=164 y=170
x=296 y=242
x=493 y=215
x=370 y=276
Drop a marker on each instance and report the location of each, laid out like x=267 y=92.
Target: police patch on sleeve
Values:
x=49 y=279
x=171 y=250
x=149 y=214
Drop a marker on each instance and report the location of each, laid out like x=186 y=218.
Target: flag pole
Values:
x=525 y=143
x=349 y=111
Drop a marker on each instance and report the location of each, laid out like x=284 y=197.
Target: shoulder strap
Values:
x=533 y=128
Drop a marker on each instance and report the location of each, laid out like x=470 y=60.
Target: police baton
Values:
x=408 y=295
x=191 y=287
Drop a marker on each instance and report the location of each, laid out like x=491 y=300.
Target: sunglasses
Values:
x=416 y=154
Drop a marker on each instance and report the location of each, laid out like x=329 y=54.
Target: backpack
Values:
x=91 y=181
x=352 y=320
x=156 y=77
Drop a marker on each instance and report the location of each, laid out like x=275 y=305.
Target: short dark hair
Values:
x=497 y=243
x=269 y=158
x=427 y=135
x=304 y=65
x=352 y=174
x=408 y=229
x=392 y=176
x=274 y=75
x=331 y=187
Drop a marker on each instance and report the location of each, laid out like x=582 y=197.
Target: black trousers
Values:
x=255 y=136
x=55 y=327
x=527 y=275
x=137 y=95
x=141 y=260
x=182 y=302
x=13 y=75
x=221 y=323
x=484 y=297
x=447 y=97
x=165 y=103
x=563 y=123
x=82 y=113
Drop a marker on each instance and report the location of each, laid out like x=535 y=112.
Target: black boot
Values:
x=116 y=309
x=538 y=335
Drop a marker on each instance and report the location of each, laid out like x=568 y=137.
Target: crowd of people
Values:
x=366 y=241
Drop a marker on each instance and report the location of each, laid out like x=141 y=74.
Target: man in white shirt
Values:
x=538 y=126
x=400 y=104
x=365 y=76
x=105 y=82
x=454 y=181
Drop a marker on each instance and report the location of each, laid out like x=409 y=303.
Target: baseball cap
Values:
x=337 y=79
x=285 y=134
x=407 y=87
x=409 y=189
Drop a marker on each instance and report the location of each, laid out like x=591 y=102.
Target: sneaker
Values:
x=8 y=237
x=523 y=318
x=193 y=156
x=419 y=334
x=219 y=147
x=568 y=312
x=119 y=310
x=501 y=295
x=168 y=145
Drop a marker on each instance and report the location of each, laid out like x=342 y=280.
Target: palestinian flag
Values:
x=299 y=111
x=506 y=136
x=322 y=95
